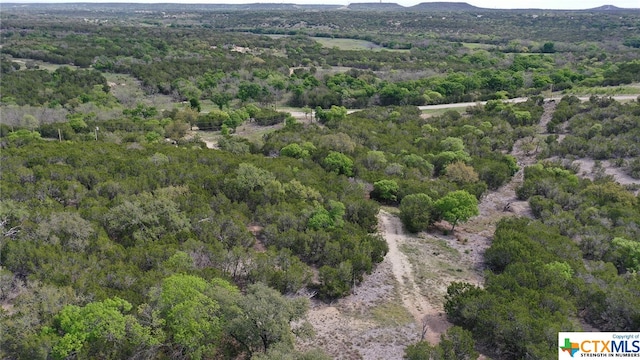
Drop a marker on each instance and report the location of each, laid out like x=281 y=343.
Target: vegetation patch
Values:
x=391 y=314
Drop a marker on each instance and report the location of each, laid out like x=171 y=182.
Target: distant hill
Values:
x=606 y=8
x=374 y=6
x=444 y=6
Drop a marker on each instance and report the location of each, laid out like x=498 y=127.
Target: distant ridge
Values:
x=444 y=6
x=374 y=6
x=606 y=8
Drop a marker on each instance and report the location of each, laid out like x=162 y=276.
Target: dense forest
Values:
x=182 y=183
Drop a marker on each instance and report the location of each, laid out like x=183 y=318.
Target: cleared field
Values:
x=40 y=64
x=427 y=113
x=476 y=46
x=351 y=44
x=631 y=89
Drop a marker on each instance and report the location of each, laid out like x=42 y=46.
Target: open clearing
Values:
x=343 y=43
x=352 y=44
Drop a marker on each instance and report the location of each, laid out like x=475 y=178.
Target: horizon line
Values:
x=253 y=2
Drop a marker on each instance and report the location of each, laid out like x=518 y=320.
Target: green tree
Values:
x=416 y=212
x=143 y=218
x=385 y=190
x=548 y=47
x=294 y=151
x=281 y=270
x=307 y=111
x=335 y=281
x=626 y=254
x=456 y=344
x=458 y=296
x=23 y=137
x=322 y=218
x=98 y=328
x=375 y=160
x=460 y=173
x=457 y=206
x=67 y=229
x=250 y=177
x=266 y=318
x=194 y=103
x=180 y=262
x=213 y=120
x=248 y=91
x=153 y=137
x=221 y=99
x=29 y=122
x=176 y=129
x=191 y=313
x=283 y=352
x=339 y=163
x=77 y=123
x=423 y=351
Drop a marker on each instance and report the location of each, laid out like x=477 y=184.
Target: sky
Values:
x=490 y=4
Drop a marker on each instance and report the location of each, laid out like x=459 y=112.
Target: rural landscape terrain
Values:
x=280 y=181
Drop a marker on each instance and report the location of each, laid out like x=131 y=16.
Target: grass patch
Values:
x=391 y=314
x=208 y=136
x=255 y=133
x=352 y=44
x=604 y=90
x=437 y=112
x=41 y=64
x=476 y=46
x=394 y=210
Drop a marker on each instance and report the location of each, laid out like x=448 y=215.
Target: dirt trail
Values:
x=503 y=202
x=423 y=312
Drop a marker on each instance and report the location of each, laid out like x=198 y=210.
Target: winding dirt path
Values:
x=413 y=300
x=504 y=202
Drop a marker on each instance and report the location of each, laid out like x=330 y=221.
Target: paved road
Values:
x=517 y=100
x=300 y=115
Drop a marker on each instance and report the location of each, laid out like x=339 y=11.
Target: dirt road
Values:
x=424 y=313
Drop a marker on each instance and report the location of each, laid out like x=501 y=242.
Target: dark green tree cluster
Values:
x=40 y=87
x=98 y=226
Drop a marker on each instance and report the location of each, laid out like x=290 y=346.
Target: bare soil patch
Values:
x=386 y=312
x=587 y=170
